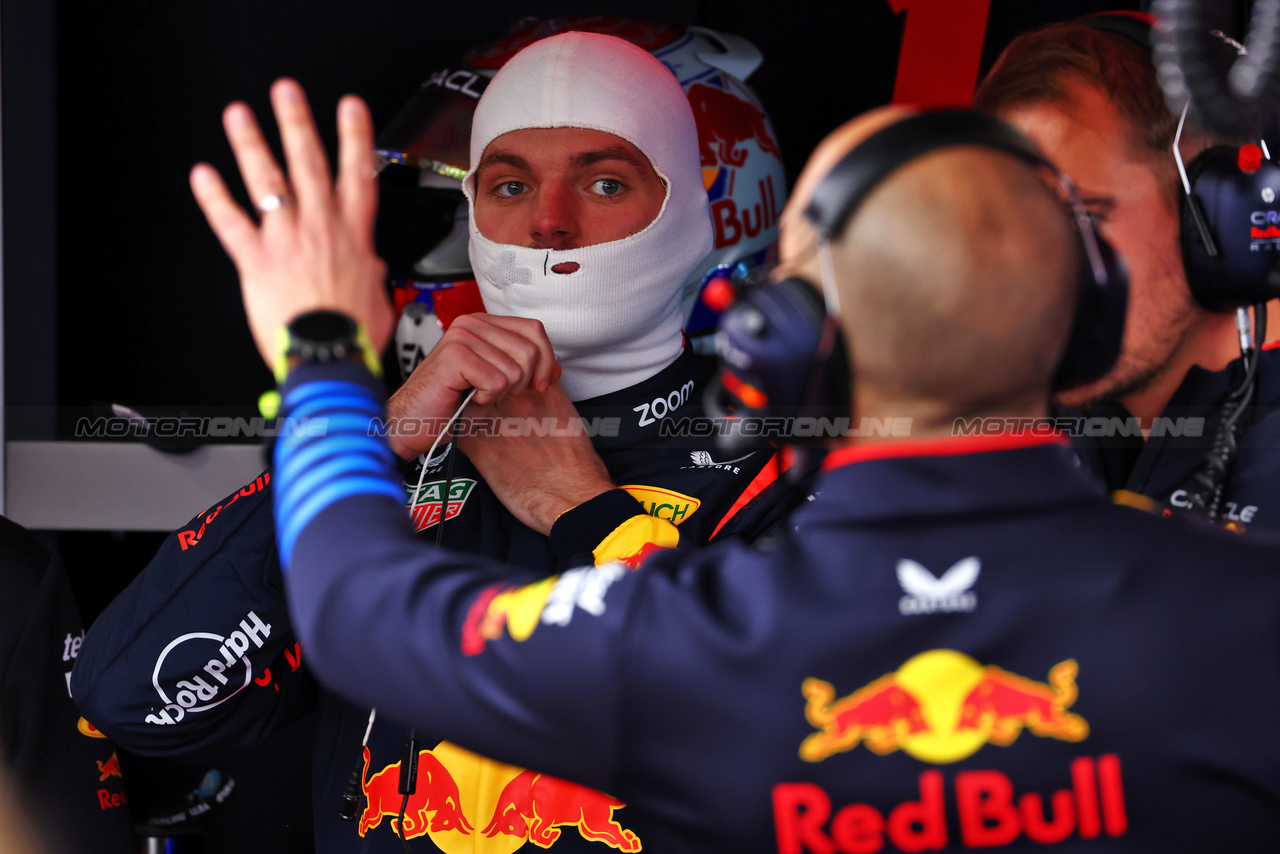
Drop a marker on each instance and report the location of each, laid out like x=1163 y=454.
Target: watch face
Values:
x=322 y=327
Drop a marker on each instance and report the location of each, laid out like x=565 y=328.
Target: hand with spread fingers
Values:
x=313 y=248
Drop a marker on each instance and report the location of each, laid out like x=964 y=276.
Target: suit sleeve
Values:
x=197 y=655
x=452 y=644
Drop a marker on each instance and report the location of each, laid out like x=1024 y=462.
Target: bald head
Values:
x=955 y=277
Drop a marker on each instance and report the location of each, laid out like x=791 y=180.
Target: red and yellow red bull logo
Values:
x=514 y=609
x=554 y=600
x=941 y=706
x=523 y=806
x=110 y=768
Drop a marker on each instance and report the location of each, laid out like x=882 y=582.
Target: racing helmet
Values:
x=427 y=146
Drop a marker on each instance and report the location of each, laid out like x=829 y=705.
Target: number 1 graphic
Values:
x=941 y=51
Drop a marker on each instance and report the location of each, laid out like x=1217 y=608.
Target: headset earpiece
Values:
x=781 y=353
x=1231 y=228
x=1229 y=260
x=1097 y=332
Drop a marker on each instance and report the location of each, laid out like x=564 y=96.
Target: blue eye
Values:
x=607 y=187
x=510 y=188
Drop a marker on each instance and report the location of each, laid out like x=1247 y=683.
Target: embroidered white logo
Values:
x=436 y=461
x=948 y=594
x=582 y=588
x=704 y=460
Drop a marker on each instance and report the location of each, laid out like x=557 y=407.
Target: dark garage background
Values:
x=115 y=289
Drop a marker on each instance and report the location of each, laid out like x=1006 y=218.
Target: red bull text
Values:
x=988 y=811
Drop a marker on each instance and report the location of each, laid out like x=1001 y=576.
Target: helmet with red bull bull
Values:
x=427 y=145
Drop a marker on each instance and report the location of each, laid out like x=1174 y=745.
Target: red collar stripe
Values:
x=778 y=463
x=943 y=447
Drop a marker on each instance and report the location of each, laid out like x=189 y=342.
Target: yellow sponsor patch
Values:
x=635 y=539
x=519 y=608
x=667 y=504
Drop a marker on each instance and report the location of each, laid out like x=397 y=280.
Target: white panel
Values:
x=119 y=486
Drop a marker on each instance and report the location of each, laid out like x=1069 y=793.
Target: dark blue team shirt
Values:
x=1164 y=466
x=961 y=644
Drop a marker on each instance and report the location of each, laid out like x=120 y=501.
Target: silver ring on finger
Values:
x=270 y=202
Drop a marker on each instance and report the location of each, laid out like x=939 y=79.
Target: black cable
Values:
x=408 y=783
x=404 y=804
x=1221 y=457
x=350 y=807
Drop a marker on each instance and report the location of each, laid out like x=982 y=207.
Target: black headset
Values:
x=1230 y=240
x=1231 y=227
x=1228 y=206
x=781 y=348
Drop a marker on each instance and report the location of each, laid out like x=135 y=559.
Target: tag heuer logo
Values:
x=426 y=505
x=948 y=594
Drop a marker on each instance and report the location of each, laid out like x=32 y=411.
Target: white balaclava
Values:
x=615 y=320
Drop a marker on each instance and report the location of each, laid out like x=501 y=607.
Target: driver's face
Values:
x=564 y=188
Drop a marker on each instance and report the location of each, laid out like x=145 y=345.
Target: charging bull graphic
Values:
x=725 y=122
x=881 y=714
x=941 y=706
x=436 y=792
x=523 y=806
x=1003 y=703
x=533 y=805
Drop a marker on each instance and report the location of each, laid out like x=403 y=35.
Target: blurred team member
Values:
x=1087 y=93
x=588 y=212
x=65 y=772
x=794 y=699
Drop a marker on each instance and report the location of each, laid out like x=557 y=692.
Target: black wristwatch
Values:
x=322 y=336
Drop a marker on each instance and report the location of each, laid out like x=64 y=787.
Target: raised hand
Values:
x=313 y=248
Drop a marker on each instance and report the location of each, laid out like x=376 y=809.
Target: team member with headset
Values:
x=1049 y=687
x=588 y=214
x=1198 y=221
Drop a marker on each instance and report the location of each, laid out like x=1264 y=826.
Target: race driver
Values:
x=588 y=214
x=1042 y=683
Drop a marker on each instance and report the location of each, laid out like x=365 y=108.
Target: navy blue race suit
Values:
x=198 y=655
